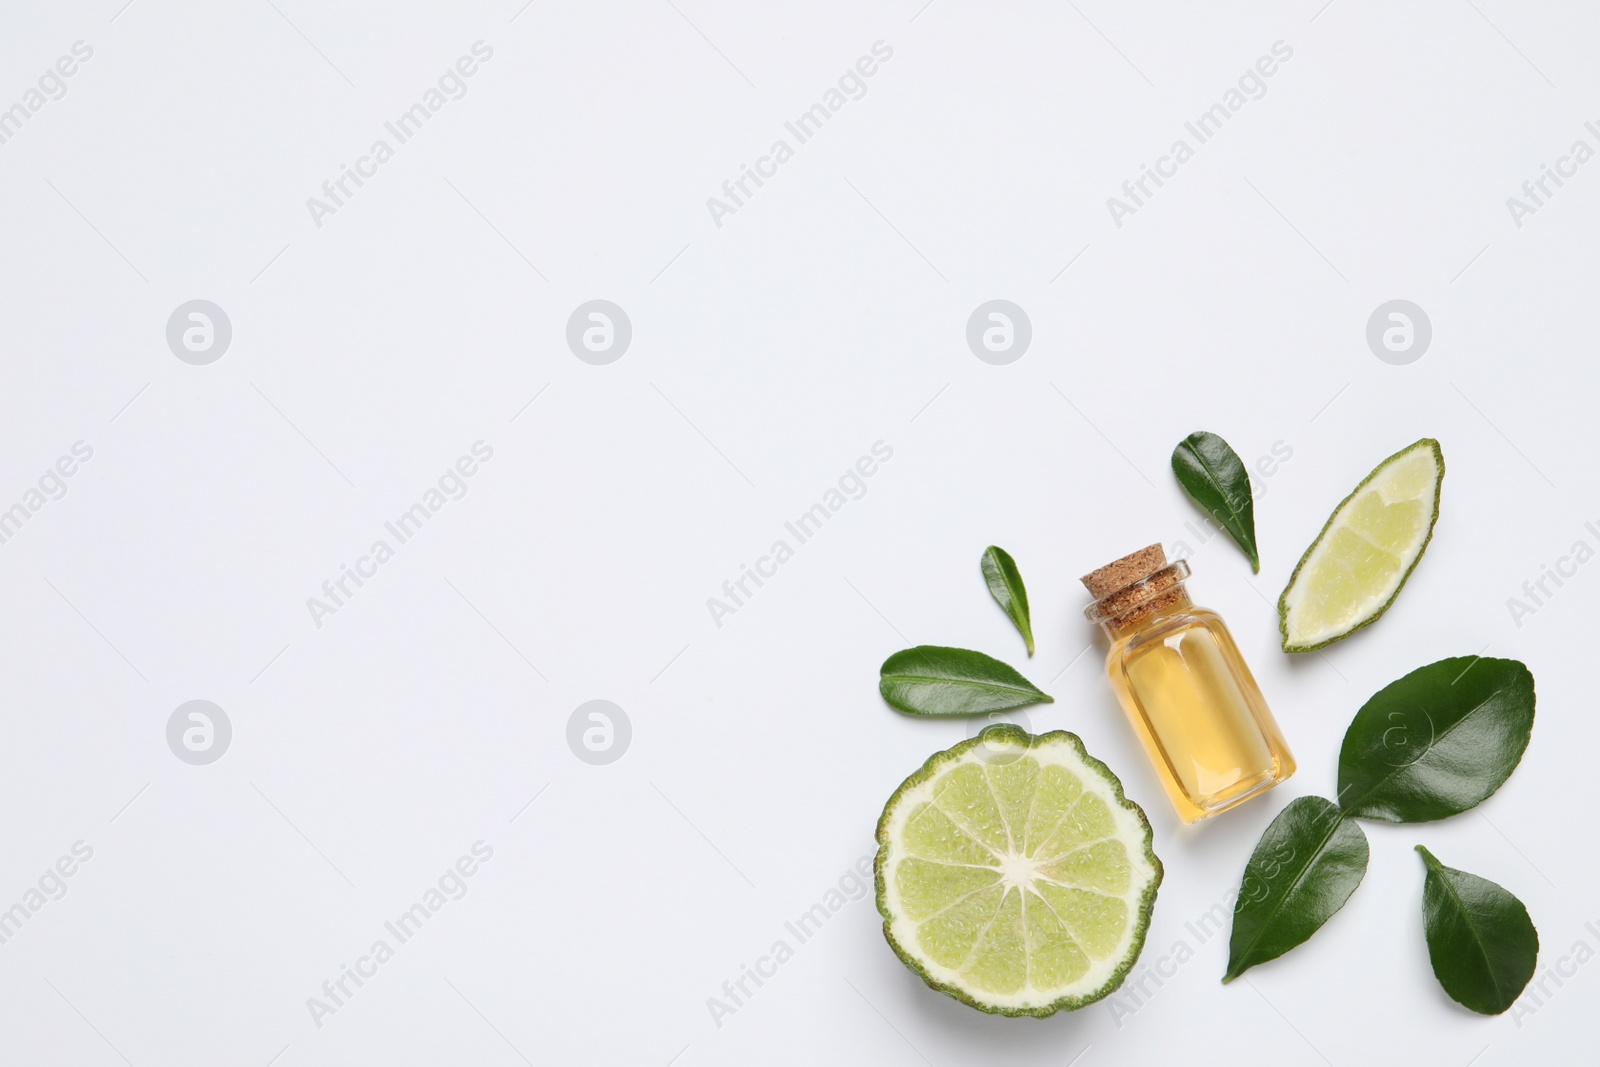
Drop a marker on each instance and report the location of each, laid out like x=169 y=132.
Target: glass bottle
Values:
x=1185 y=688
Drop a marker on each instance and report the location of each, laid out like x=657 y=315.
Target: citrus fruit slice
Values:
x=1013 y=874
x=1357 y=565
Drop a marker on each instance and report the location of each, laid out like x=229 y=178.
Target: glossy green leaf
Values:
x=1304 y=868
x=1213 y=474
x=1482 y=944
x=930 y=680
x=1005 y=585
x=1438 y=741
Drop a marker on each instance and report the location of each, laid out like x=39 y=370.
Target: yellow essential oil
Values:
x=1185 y=688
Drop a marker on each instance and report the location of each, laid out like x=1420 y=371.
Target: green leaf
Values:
x=1438 y=741
x=1303 y=870
x=1005 y=585
x=1213 y=474
x=930 y=680
x=1480 y=939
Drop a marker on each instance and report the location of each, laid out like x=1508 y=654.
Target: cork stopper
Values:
x=1118 y=574
x=1135 y=587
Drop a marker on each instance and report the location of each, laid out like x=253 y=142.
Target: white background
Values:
x=768 y=354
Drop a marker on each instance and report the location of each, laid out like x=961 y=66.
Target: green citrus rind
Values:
x=1140 y=919
x=1368 y=620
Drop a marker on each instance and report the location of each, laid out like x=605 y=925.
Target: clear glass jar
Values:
x=1185 y=688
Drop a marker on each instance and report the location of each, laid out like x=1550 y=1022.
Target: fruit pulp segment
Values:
x=1366 y=557
x=1014 y=876
x=1363 y=556
x=1200 y=715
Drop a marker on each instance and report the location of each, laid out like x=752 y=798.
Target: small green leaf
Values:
x=1213 y=474
x=1480 y=939
x=1303 y=870
x=1437 y=741
x=1005 y=585
x=930 y=680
